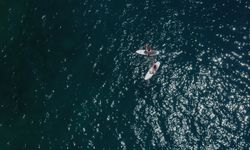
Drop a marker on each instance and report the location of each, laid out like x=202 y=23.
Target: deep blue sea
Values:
x=70 y=78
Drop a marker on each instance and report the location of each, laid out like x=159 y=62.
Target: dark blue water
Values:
x=70 y=78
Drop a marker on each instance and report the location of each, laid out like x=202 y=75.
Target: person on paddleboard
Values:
x=149 y=50
x=154 y=68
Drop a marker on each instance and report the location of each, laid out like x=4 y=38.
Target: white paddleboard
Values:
x=151 y=72
x=144 y=52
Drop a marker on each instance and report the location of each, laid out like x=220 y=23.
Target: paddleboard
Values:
x=144 y=52
x=151 y=72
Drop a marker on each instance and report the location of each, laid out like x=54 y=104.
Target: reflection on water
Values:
x=84 y=86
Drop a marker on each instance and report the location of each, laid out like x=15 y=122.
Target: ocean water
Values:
x=70 y=78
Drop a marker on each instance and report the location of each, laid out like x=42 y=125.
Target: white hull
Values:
x=151 y=72
x=144 y=52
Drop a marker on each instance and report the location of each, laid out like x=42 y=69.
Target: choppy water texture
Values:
x=70 y=78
